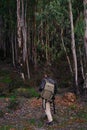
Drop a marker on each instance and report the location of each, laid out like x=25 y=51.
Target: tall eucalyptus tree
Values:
x=85 y=35
x=73 y=46
x=85 y=42
x=22 y=39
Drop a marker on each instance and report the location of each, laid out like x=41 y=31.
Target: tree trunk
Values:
x=68 y=59
x=19 y=38
x=81 y=62
x=73 y=48
x=85 y=43
x=47 y=43
x=34 y=36
x=85 y=35
x=24 y=32
x=13 y=48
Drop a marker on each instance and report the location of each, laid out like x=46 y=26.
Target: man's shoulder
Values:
x=51 y=80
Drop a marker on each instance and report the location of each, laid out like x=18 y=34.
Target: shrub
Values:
x=1 y=113
x=13 y=104
x=26 y=92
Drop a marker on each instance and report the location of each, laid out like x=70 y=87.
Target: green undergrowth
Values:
x=21 y=92
x=4 y=72
x=15 y=86
x=5 y=76
x=34 y=122
x=6 y=79
x=6 y=128
x=13 y=104
x=82 y=114
x=1 y=113
x=26 y=92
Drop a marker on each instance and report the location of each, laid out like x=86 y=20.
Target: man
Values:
x=47 y=104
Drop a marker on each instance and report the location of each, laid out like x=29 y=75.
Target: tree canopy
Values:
x=39 y=33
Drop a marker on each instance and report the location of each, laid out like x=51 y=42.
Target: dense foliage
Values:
x=45 y=30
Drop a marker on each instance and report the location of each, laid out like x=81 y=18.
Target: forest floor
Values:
x=23 y=113
x=30 y=116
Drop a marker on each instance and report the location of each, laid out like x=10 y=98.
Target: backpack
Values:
x=48 y=91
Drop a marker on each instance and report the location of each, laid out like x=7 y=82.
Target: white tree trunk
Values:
x=19 y=38
x=68 y=59
x=85 y=44
x=24 y=32
x=85 y=35
x=73 y=44
x=19 y=24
